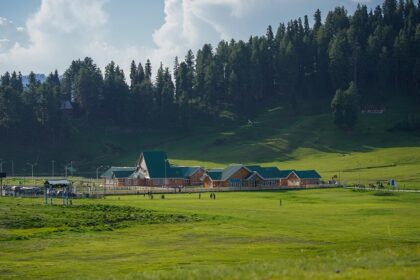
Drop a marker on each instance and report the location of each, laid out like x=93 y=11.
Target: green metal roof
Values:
x=112 y=169
x=267 y=172
x=157 y=164
x=187 y=171
x=122 y=174
x=285 y=173
x=215 y=174
x=264 y=172
x=308 y=174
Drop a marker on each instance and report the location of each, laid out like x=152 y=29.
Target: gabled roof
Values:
x=263 y=172
x=285 y=173
x=215 y=174
x=157 y=164
x=254 y=174
x=266 y=172
x=308 y=174
x=122 y=174
x=230 y=170
x=187 y=171
x=109 y=173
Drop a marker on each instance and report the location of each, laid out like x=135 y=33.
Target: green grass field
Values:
x=314 y=234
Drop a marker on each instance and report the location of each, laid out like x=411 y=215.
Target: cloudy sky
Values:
x=44 y=35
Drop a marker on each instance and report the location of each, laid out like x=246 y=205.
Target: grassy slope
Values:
x=367 y=154
x=242 y=236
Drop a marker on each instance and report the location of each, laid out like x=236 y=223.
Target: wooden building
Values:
x=258 y=177
x=118 y=176
x=154 y=170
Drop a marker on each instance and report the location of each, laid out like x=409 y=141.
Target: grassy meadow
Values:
x=307 y=139
x=313 y=234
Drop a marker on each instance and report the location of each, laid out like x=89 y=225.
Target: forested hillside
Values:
x=294 y=65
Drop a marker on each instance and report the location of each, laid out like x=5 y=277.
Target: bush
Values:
x=345 y=106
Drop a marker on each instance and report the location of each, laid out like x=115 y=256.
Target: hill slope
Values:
x=276 y=137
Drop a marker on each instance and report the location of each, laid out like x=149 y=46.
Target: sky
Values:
x=44 y=35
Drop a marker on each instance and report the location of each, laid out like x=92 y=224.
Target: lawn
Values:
x=313 y=234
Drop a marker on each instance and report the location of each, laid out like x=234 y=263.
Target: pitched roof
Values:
x=187 y=171
x=266 y=172
x=157 y=164
x=230 y=170
x=215 y=174
x=122 y=174
x=285 y=173
x=109 y=173
x=254 y=174
x=308 y=174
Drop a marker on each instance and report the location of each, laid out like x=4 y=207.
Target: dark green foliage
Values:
x=411 y=124
x=115 y=93
x=9 y=102
x=379 y=50
x=345 y=106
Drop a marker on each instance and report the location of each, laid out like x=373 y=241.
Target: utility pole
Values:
x=52 y=171
x=339 y=177
x=32 y=168
x=71 y=168
x=97 y=172
x=166 y=161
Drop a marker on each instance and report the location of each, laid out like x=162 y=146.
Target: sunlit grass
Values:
x=314 y=234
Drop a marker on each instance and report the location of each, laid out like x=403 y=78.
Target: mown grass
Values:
x=316 y=234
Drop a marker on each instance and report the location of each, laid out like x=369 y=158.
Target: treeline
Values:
x=378 y=50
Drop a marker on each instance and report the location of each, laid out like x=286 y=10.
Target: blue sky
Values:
x=43 y=35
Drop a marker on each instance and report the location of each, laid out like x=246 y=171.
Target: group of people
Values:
x=212 y=196
x=150 y=195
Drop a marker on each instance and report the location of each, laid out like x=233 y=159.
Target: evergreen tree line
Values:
x=376 y=51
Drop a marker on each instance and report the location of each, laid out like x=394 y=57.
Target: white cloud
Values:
x=10 y=35
x=59 y=32
x=64 y=30
x=189 y=23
